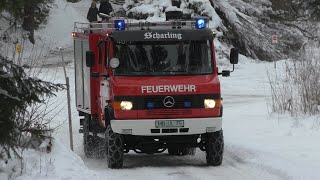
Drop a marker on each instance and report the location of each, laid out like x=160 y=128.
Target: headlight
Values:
x=209 y=103
x=126 y=105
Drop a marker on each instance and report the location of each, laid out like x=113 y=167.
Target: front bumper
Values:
x=146 y=127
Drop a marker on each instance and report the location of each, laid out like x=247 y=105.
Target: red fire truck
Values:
x=149 y=87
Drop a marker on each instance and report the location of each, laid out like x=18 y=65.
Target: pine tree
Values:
x=30 y=13
x=17 y=93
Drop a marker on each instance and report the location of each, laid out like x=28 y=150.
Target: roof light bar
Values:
x=201 y=23
x=119 y=25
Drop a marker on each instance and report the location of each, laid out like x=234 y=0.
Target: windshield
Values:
x=163 y=58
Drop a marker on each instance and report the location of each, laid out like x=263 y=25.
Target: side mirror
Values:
x=234 y=56
x=90 y=58
x=225 y=73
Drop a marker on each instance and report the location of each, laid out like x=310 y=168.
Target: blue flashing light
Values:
x=150 y=105
x=187 y=104
x=119 y=25
x=201 y=23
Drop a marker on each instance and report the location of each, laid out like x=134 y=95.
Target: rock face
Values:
x=253 y=23
x=246 y=24
x=249 y=27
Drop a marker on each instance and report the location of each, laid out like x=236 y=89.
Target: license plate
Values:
x=171 y=123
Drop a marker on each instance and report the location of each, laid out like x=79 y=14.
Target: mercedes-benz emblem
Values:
x=168 y=101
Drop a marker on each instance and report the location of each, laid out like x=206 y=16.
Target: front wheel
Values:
x=114 y=147
x=214 y=148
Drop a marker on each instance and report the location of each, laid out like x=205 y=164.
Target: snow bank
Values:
x=60 y=163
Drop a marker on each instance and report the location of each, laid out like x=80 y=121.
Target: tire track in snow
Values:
x=235 y=165
x=235 y=156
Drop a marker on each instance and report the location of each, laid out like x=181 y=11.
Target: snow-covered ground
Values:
x=258 y=144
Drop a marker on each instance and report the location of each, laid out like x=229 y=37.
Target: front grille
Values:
x=169 y=112
x=155 y=130
x=179 y=102
x=172 y=130
x=184 y=130
x=169 y=130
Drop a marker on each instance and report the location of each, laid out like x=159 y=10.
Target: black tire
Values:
x=87 y=138
x=181 y=151
x=94 y=146
x=214 y=148
x=114 y=147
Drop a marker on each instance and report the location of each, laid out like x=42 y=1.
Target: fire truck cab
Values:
x=149 y=87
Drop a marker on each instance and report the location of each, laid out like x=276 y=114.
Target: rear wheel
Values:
x=87 y=138
x=214 y=148
x=94 y=146
x=114 y=147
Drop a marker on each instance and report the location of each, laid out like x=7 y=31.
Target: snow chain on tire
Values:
x=87 y=139
x=94 y=147
x=214 y=148
x=114 y=146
